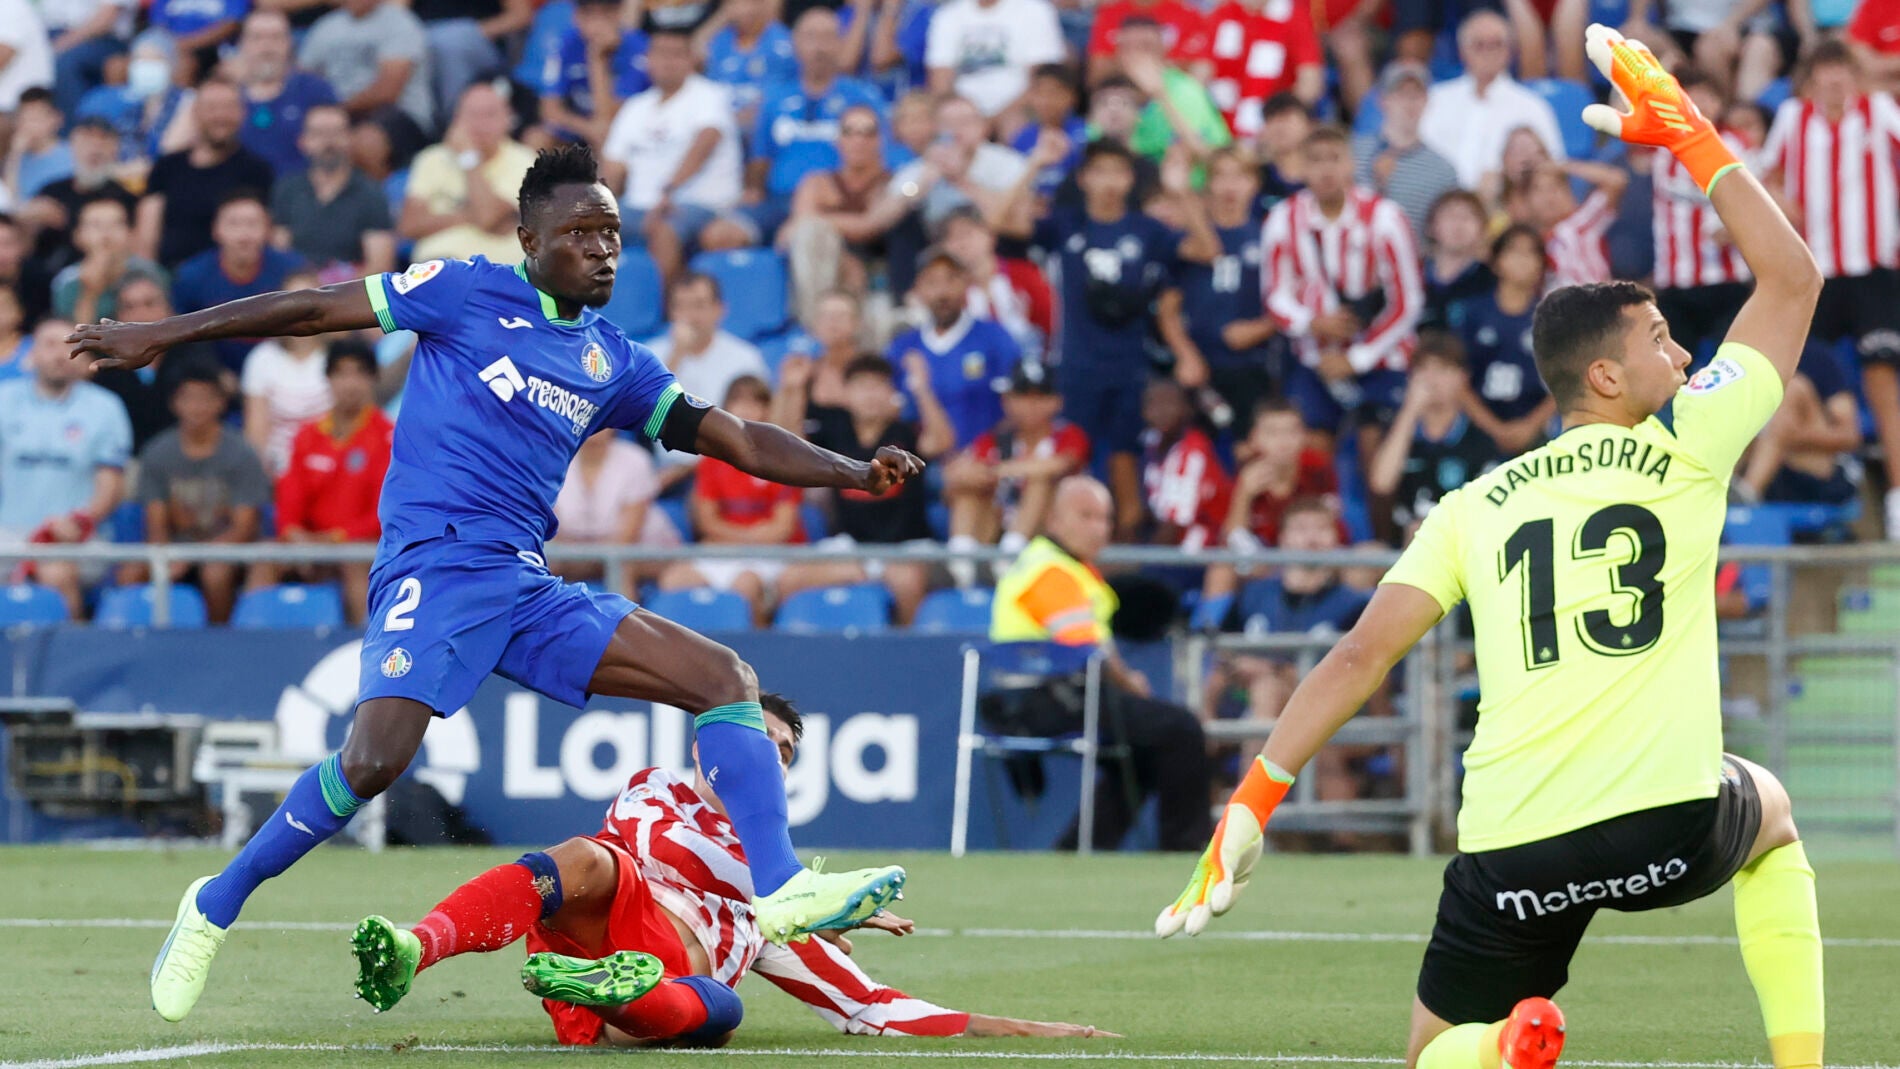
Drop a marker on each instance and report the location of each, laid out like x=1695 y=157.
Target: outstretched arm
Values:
x=287 y=313
x=1775 y=320
x=773 y=453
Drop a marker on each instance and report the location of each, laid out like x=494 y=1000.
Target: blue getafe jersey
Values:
x=564 y=74
x=976 y=356
x=501 y=394
x=1130 y=259
x=798 y=134
x=1214 y=295
x=1498 y=345
x=748 y=72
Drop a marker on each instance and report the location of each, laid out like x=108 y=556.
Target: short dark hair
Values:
x=1576 y=325
x=1512 y=233
x=1455 y=196
x=92 y=201
x=202 y=371
x=350 y=351
x=38 y=95
x=1688 y=76
x=1439 y=347
x=1056 y=72
x=1308 y=503
x=658 y=32
x=1283 y=102
x=239 y=196
x=572 y=164
x=1141 y=22
x=869 y=364
x=1103 y=148
x=1117 y=81
x=749 y=385
x=1828 y=52
x=780 y=706
x=1273 y=406
x=693 y=278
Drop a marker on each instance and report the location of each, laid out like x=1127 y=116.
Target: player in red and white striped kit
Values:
x=1833 y=153
x=663 y=889
x=1700 y=278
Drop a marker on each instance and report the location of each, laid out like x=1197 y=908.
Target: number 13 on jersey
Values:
x=1634 y=622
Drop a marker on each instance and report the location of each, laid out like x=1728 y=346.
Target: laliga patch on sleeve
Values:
x=695 y=400
x=417 y=275
x=1719 y=373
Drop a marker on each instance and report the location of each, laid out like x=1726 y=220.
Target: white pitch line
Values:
x=1131 y=935
x=201 y=1050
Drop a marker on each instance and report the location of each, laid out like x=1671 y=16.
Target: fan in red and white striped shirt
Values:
x=1313 y=261
x=1687 y=254
x=1837 y=169
x=1574 y=233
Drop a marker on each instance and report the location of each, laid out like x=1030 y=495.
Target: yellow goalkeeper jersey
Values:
x=1589 y=565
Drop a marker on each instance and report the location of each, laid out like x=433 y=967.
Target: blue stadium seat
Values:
x=752 y=281
x=31 y=603
x=1568 y=99
x=126 y=523
x=859 y=609
x=290 y=607
x=703 y=609
x=816 y=523
x=965 y=611
x=779 y=346
x=638 y=306
x=131 y=606
x=1776 y=94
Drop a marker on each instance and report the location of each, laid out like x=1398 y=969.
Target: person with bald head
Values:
x=461 y=197
x=1468 y=118
x=1054 y=593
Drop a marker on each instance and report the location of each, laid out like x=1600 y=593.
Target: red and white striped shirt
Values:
x=1312 y=261
x=1575 y=246
x=1186 y=486
x=693 y=864
x=1683 y=219
x=1841 y=175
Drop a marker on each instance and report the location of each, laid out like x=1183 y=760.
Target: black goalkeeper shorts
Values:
x=1509 y=920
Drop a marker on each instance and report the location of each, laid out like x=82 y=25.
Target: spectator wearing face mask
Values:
x=145 y=110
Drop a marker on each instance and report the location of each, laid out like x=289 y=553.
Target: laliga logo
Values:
x=866 y=757
x=449 y=750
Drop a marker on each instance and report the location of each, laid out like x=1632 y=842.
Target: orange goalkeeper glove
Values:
x=1660 y=114
x=1227 y=863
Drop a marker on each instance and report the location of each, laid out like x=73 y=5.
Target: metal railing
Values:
x=1428 y=728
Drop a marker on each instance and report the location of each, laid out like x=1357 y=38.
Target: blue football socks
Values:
x=317 y=807
x=741 y=763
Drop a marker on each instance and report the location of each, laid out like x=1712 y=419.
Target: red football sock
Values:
x=669 y=1010
x=486 y=913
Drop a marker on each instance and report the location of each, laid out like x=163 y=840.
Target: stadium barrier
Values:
x=1811 y=690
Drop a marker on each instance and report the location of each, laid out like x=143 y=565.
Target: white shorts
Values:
x=722 y=572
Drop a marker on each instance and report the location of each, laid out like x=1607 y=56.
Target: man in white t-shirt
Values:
x=674 y=153
x=962 y=168
x=705 y=358
x=30 y=62
x=983 y=50
x=1468 y=119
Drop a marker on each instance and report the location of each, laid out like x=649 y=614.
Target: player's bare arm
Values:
x=772 y=452
x=1775 y=320
x=287 y=313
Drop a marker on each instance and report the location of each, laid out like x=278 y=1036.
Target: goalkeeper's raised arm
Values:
x=1775 y=320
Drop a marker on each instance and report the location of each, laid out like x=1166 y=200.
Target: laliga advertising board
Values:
x=875 y=770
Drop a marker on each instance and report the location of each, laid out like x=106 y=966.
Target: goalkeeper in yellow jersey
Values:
x=1596 y=778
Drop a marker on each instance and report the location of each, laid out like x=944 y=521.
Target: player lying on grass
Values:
x=1596 y=778
x=513 y=371
x=640 y=932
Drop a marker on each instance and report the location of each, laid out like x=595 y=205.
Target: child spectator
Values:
x=1513 y=406
x=1701 y=282
x=729 y=507
x=966 y=357
x=1433 y=448
x=286 y=384
x=1053 y=96
x=1186 y=488
x=608 y=497
x=1001 y=486
x=88 y=291
x=200 y=484
x=870 y=422
x=39 y=155
x=1454 y=268
x=1285 y=120
x=1574 y=233
x=1806 y=454
x=331 y=485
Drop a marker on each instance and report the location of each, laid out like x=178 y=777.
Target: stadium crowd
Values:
x=1266 y=268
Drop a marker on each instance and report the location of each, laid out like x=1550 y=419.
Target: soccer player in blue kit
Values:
x=513 y=372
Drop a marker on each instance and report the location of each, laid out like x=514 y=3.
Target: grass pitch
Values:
x=1315 y=967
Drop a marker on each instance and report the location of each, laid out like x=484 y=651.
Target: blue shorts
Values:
x=444 y=613
x=1106 y=404
x=1382 y=391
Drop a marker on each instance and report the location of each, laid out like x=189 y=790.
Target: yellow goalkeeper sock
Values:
x=1780 y=932
x=1465 y=1046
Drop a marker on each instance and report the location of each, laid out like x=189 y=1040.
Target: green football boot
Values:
x=814 y=900
x=179 y=971
x=386 y=961
x=615 y=980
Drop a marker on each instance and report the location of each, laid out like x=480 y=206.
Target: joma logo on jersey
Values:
x=505 y=381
